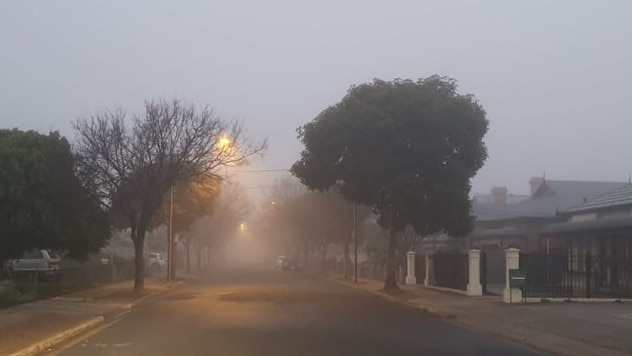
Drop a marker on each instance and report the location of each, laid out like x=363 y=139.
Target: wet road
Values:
x=259 y=311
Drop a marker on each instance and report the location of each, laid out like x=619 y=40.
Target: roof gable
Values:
x=551 y=197
x=618 y=197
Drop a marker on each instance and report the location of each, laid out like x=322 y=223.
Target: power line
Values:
x=264 y=170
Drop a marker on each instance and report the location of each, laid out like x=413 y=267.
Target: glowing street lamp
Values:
x=224 y=142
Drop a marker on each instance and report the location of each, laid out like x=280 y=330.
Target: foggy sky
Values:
x=553 y=76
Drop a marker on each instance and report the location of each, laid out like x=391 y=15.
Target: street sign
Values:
x=517 y=278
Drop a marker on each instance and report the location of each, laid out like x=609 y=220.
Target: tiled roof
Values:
x=552 y=197
x=618 y=197
x=500 y=232
x=589 y=226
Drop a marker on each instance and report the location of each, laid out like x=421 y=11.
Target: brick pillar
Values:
x=428 y=280
x=410 y=275
x=474 y=287
x=512 y=258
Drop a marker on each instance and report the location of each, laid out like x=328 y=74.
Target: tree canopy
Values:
x=303 y=224
x=406 y=148
x=192 y=200
x=212 y=232
x=133 y=164
x=44 y=204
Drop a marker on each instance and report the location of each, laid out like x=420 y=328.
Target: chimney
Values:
x=535 y=183
x=499 y=195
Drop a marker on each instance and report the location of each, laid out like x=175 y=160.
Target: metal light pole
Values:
x=170 y=239
x=355 y=241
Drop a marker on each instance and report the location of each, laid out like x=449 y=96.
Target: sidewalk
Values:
x=557 y=328
x=30 y=328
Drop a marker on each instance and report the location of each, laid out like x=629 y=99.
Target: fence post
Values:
x=410 y=275
x=427 y=280
x=588 y=268
x=512 y=258
x=474 y=287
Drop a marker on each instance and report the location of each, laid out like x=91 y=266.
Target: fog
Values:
x=246 y=248
x=553 y=76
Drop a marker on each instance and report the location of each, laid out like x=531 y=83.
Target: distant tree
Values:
x=212 y=232
x=304 y=223
x=192 y=200
x=133 y=165
x=407 y=149
x=333 y=217
x=44 y=205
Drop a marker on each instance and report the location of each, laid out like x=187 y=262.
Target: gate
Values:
x=451 y=270
x=561 y=274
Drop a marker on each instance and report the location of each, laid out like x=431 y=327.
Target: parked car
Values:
x=285 y=264
x=36 y=264
x=156 y=261
x=280 y=260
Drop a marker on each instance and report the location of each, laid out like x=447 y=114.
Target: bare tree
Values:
x=304 y=223
x=211 y=232
x=132 y=165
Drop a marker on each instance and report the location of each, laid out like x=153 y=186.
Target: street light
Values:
x=224 y=142
x=170 y=259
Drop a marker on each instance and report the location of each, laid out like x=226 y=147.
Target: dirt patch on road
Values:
x=23 y=334
x=279 y=296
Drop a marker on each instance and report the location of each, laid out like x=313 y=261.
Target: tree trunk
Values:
x=391 y=264
x=323 y=258
x=347 y=264
x=306 y=256
x=174 y=254
x=198 y=252
x=187 y=246
x=139 y=260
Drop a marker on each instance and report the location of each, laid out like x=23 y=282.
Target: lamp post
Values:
x=170 y=249
x=355 y=241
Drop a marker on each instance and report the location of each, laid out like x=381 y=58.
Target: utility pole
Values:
x=355 y=241
x=170 y=238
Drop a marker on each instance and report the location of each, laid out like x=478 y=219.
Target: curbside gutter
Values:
x=390 y=298
x=142 y=300
x=60 y=337
x=90 y=324
x=525 y=336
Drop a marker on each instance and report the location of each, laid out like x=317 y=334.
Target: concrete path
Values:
x=33 y=327
x=558 y=328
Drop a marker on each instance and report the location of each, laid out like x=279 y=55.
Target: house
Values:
x=602 y=225
x=595 y=260
x=500 y=225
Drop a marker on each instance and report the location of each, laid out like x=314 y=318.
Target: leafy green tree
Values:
x=407 y=149
x=44 y=204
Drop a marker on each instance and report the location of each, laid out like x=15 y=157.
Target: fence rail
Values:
x=567 y=275
x=80 y=275
x=451 y=270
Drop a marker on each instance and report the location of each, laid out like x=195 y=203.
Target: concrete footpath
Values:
x=30 y=328
x=554 y=328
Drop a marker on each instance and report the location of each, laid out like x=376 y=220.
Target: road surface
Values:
x=261 y=311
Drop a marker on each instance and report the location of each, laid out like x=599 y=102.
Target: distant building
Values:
x=501 y=224
x=602 y=225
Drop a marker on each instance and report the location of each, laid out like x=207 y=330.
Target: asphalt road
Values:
x=259 y=311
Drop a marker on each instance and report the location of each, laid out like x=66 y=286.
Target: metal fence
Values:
x=97 y=274
x=79 y=275
x=451 y=270
x=420 y=268
x=562 y=274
